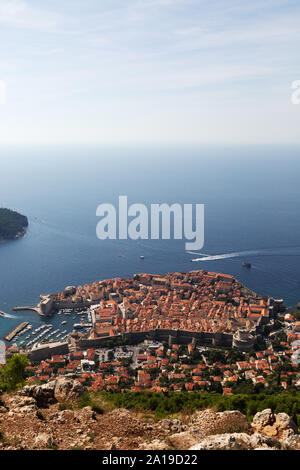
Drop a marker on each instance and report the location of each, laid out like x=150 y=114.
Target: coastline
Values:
x=13 y=225
x=247 y=306
x=16 y=237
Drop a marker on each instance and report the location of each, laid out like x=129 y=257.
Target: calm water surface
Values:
x=252 y=212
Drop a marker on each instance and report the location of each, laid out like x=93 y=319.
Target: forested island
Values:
x=12 y=224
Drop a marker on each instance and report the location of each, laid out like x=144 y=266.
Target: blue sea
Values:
x=252 y=213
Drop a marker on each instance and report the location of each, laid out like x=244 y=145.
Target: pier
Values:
x=16 y=330
x=34 y=308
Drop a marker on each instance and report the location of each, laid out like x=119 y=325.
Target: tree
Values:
x=215 y=355
x=13 y=374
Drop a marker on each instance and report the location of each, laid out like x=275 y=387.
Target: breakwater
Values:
x=10 y=336
x=35 y=308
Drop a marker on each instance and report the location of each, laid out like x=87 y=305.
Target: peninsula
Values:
x=12 y=224
x=196 y=307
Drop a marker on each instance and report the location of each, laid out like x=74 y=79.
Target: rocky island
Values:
x=12 y=224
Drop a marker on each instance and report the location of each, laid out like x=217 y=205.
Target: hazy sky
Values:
x=156 y=71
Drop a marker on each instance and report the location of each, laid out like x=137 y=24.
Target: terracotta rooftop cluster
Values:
x=156 y=366
x=194 y=301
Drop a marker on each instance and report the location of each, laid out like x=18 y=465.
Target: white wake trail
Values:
x=8 y=315
x=227 y=255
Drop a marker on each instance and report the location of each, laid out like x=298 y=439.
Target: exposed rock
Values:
x=259 y=441
x=291 y=442
x=18 y=402
x=66 y=415
x=263 y=418
x=185 y=440
x=166 y=423
x=28 y=409
x=67 y=389
x=156 y=444
x=43 y=394
x=61 y=389
x=43 y=440
x=263 y=448
x=210 y=422
x=122 y=422
x=235 y=441
x=114 y=444
x=25 y=426
x=21 y=405
x=85 y=414
x=278 y=426
x=285 y=425
x=173 y=425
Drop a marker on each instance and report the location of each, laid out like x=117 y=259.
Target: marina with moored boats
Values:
x=25 y=336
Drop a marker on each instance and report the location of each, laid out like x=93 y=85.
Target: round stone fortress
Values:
x=243 y=340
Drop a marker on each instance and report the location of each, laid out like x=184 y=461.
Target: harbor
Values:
x=57 y=328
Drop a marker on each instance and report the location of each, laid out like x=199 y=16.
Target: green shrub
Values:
x=166 y=404
x=65 y=405
x=13 y=374
x=90 y=399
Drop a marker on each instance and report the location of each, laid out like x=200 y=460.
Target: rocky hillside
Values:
x=48 y=417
